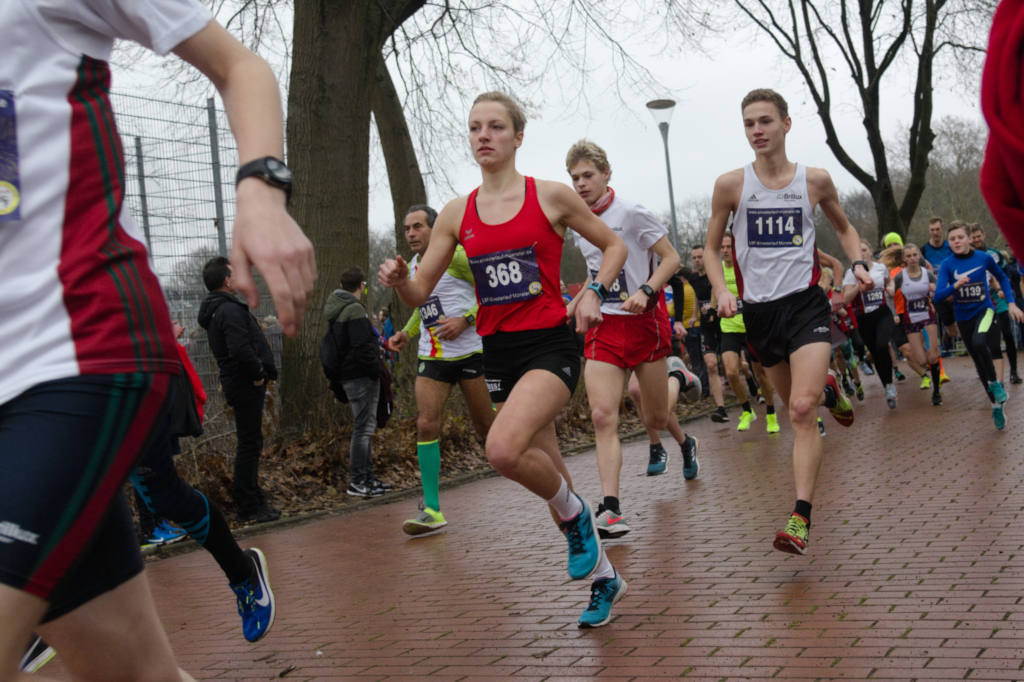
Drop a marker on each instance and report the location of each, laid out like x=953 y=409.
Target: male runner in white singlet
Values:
x=785 y=311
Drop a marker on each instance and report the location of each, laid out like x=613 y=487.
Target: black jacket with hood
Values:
x=237 y=342
x=356 y=339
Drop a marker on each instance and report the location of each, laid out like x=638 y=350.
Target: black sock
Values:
x=237 y=565
x=936 y=376
x=746 y=407
x=830 y=397
x=769 y=409
x=803 y=508
x=612 y=503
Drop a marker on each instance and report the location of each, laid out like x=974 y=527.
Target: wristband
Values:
x=860 y=262
x=646 y=288
x=599 y=289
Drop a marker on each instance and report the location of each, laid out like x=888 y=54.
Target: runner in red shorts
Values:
x=635 y=333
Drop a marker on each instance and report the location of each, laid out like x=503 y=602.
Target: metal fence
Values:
x=180 y=163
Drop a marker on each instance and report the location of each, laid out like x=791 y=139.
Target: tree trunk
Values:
x=336 y=49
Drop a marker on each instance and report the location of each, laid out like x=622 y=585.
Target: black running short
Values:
x=510 y=355
x=733 y=342
x=66 y=446
x=710 y=338
x=452 y=371
x=944 y=311
x=777 y=328
x=899 y=334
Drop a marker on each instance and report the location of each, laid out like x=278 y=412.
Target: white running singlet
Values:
x=640 y=230
x=454 y=296
x=873 y=298
x=773 y=234
x=917 y=293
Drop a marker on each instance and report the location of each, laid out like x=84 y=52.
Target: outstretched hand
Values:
x=393 y=272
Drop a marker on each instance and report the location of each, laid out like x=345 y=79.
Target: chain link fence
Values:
x=180 y=163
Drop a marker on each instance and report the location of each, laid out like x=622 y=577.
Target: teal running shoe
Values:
x=603 y=593
x=691 y=465
x=255 y=599
x=998 y=417
x=659 y=460
x=998 y=392
x=584 y=545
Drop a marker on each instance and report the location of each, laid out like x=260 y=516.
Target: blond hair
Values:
x=585 y=150
x=515 y=112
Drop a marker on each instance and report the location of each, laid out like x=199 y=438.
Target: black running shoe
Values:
x=719 y=415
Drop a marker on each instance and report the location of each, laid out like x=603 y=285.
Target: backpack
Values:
x=386 y=397
x=331 y=356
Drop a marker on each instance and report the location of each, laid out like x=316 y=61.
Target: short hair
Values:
x=515 y=112
x=766 y=95
x=216 y=270
x=352 y=279
x=697 y=246
x=957 y=225
x=431 y=213
x=585 y=150
x=976 y=227
x=935 y=219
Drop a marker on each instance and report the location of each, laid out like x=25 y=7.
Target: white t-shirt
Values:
x=873 y=298
x=77 y=295
x=640 y=230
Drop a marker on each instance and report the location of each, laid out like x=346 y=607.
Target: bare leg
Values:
x=478 y=400
x=714 y=381
x=604 y=383
x=731 y=361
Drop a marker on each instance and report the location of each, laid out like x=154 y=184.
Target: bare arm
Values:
x=723 y=202
x=638 y=301
x=828 y=199
x=264 y=235
x=394 y=272
x=570 y=210
x=832 y=262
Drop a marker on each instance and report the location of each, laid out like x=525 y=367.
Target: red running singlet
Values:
x=516 y=266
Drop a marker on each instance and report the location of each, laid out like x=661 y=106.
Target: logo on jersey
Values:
x=789 y=196
x=468 y=235
x=534 y=288
x=798 y=240
x=493 y=385
x=958 y=275
x=753 y=197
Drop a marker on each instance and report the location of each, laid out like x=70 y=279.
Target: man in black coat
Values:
x=246 y=364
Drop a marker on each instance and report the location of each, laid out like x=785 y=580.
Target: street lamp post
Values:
x=661 y=110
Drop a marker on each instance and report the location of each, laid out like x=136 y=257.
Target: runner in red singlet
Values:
x=512 y=228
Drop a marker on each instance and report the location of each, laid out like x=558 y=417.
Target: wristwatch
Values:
x=471 y=318
x=270 y=170
x=646 y=288
x=599 y=289
x=860 y=262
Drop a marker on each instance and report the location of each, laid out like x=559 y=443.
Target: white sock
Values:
x=565 y=502
x=604 y=568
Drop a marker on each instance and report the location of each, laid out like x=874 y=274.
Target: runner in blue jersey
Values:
x=965 y=278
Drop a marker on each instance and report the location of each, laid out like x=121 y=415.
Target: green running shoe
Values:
x=427 y=522
x=794 y=539
x=998 y=418
x=771 y=423
x=746 y=419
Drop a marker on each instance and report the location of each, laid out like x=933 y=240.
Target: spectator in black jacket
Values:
x=359 y=353
x=246 y=364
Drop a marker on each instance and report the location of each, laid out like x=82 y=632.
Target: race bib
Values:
x=618 y=290
x=739 y=305
x=10 y=184
x=431 y=312
x=506 y=276
x=775 y=227
x=918 y=305
x=971 y=293
x=874 y=298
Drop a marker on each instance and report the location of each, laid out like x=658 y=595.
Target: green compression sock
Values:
x=429 y=456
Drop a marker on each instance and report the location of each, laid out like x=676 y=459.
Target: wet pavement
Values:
x=915 y=568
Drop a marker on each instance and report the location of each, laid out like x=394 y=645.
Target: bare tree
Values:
x=867 y=38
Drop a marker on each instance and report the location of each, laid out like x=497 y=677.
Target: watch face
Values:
x=279 y=171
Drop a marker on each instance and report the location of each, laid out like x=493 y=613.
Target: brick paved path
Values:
x=915 y=568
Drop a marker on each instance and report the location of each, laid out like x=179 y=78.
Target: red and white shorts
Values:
x=630 y=340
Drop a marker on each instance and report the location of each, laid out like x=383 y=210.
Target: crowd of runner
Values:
x=89 y=364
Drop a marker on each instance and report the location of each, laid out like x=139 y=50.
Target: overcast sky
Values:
x=706 y=134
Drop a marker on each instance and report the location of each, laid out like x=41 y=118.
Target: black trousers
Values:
x=247 y=402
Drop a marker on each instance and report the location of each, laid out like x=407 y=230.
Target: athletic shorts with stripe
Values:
x=777 y=328
x=66 y=447
x=452 y=371
x=629 y=340
x=510 y=355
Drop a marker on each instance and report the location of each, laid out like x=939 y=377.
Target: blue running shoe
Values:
x=255 y=599
x=603 y=593
x=998 y=417
x=659 y=460
x=584 y=545
x=165 y=533
x=691 y=465
x=998 y=392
